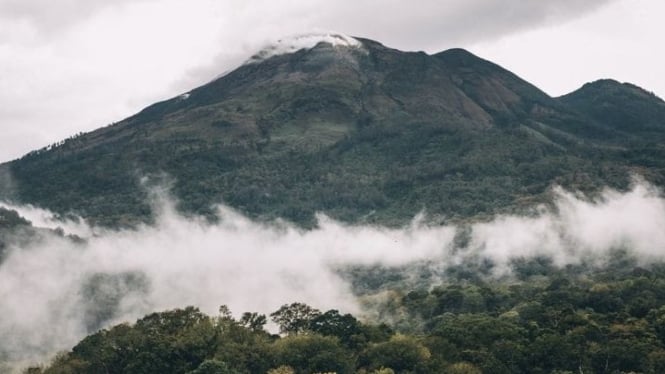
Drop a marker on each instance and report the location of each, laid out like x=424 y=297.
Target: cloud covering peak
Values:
x=303 y=41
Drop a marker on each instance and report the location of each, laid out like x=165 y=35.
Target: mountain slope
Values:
x=357 y=130
x=621 y=106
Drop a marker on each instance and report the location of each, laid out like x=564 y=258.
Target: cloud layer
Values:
x=55 y=291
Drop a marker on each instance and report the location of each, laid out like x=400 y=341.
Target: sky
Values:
x=76 y=65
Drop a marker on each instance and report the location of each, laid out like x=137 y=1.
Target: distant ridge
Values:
x=622 y=106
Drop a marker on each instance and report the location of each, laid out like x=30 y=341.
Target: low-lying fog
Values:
x=55 y=291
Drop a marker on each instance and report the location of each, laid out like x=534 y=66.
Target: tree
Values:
x=253 y=321
x=463 y=368
x=313 y=354
x=400 y=353
x=282 y=370
x=213 y=367
x=295 y=318
x=332 y=323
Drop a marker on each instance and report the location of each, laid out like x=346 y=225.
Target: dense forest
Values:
x=585 y=318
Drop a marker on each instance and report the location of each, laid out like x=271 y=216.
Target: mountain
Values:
x=352 y=128
x=624 y=107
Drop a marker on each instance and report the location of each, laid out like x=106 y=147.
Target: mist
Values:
x=56 y=290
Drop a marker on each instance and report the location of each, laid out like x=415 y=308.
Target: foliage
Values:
x=282 y=370
x=451 y=133
x=213 y=367
x=401 y=353
x=590 y=319
x=253 y=321
x=313 y=354
x=295 y=318
x=11 y=218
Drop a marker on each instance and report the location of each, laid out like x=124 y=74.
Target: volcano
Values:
x=354 y=129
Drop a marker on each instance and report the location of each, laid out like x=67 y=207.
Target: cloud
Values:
x=49 y=285
x=49 y=18
x=436 y=17
x=55 y=290
x=433 y=25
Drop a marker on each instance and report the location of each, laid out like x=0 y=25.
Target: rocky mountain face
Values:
x=359 y=131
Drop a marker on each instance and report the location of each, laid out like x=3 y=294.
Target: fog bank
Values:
x=54 y=292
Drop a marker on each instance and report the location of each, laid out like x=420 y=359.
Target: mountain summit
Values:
x=360 y=131
x=302 y=42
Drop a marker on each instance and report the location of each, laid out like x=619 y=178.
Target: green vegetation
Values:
x=373 y=135
x=622 y=106
x=11 y=219
x=544 y=319
x=370 y=135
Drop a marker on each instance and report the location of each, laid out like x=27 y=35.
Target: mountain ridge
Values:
x=365 y=132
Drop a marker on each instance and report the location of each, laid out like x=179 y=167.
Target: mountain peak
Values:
x=603 y=82
x=459 y=53
x=621 y=106
x=296 y=43
x=459 y=57
x=348 y=126
x=607 y=85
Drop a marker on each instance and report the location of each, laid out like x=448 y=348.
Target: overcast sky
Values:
x=74 y=65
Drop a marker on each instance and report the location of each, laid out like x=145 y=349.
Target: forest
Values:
x=584 y=318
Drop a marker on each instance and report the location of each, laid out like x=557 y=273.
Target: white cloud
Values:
x=48 y=18
x=303 y=41
x=250 y=266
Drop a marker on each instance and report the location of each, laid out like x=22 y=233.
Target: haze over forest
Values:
x=425 y=194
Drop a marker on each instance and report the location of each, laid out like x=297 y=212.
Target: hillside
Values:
x=620 y=106
x=354 y=129
x=579 y=319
